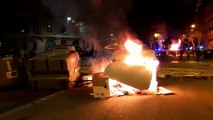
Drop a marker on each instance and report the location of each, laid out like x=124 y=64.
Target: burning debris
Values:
x=104 y=87
x=135 y=70
x=175 y=46
x=132 y=71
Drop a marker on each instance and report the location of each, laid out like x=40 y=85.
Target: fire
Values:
x=135 y=53
x=135 y=57
x=118 y=88
x=175 y=46
x=132 y=61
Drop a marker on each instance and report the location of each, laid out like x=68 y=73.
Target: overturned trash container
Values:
x=9 y=72
x=60 y=67
x=135 y=76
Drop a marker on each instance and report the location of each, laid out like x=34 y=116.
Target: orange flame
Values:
x=175 y=46
x=135 y=57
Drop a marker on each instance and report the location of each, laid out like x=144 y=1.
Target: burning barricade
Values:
x=132 y=71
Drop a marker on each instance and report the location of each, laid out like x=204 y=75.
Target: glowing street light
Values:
x=193 y=26
x=68 y=19
x=156 y=35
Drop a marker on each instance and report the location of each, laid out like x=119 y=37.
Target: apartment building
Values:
x=27 y=26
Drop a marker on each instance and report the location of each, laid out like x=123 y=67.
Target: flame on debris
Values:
x=175 y=46
x=135 y=57
x=118 y=88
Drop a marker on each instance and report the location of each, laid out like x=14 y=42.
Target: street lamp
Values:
x=68 y=19
x=193 y=26
x=156 y=35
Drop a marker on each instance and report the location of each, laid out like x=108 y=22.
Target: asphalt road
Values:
x=193 y=100
x=14 y=97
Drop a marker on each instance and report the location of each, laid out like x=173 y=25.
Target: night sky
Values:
x=174 y=12
x=109 y=15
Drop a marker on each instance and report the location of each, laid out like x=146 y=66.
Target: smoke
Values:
x=105 y=20
x=109 y=16
x=101 y=17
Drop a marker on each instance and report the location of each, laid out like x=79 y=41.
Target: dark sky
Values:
x=116 y=15
x=174 y=12
x=111 y=15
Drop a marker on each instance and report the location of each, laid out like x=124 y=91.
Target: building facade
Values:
x=205 y=21
x=28 y=26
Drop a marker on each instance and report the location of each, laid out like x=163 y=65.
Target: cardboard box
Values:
x=101 y=92
x=100 y=79
x=100 y=85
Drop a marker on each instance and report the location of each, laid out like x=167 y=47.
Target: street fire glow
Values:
x=135 y=57
x=118 y=88
x=175 y=46
x=138 y=64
